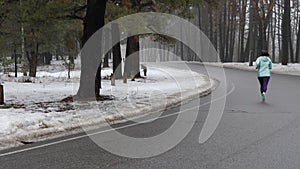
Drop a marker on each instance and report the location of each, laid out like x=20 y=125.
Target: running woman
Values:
x=263 y=66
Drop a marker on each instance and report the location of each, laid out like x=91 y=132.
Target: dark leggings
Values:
x=264 y=81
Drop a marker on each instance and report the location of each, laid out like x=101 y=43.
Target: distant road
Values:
x=251 y=135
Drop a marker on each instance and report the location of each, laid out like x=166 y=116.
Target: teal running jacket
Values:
x=263 y=65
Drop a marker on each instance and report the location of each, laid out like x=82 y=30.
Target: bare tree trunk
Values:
x=16 y=63
x=32 y=60
x=93 y=21
x=1 y=94
x=117 y=58
x=232 y=39
x=297 y=57
x=279 y=35
x=211 y=35
x=22 y=33
x=215 y=28
x=232 y=30
x=222 y=12
x=251 y=36
x=106 y=45
x=298 y=45
x=242 y=29
x=181 y=44
x=273 y=36
x=98 y=81
x=286 y=33
x=290 y=37
x=132 y=57
x=106 y=59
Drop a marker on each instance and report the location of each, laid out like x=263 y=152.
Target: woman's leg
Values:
x=265 y=83
x=261 y=82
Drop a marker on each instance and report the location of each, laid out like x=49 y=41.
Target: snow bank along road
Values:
x=41 y=114
x=290 y=69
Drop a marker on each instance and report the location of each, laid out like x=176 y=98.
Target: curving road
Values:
x=251 y=134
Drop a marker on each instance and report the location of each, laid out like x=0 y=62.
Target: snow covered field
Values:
x=38 y=110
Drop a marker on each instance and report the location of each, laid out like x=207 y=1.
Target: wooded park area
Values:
x=32 y=32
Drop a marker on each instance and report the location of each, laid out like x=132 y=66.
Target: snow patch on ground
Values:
x=40 y=112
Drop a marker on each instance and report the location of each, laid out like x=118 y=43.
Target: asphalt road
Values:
x=251 y=134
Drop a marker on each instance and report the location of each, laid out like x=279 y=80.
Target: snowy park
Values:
x=35 y=110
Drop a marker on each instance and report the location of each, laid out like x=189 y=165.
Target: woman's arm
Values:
x=257 y=63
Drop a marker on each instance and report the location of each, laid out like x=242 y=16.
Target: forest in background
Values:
x=237 y=28
x=240 y=29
